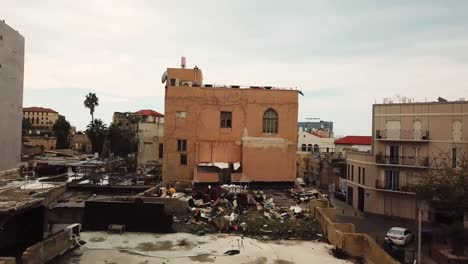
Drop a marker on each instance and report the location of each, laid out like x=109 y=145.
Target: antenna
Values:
x=183 y=62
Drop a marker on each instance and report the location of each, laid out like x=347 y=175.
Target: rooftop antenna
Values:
x=183 y=62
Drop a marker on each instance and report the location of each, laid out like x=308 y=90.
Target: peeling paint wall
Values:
x=264 y=156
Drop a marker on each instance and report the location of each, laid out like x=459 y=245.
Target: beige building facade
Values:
x=11 y=96
x=408 y=138
x=42 y=119
x=150 y=137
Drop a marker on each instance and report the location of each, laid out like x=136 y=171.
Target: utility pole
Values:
x=419 y=235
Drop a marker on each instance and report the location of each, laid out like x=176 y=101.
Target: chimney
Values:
x=182 y=62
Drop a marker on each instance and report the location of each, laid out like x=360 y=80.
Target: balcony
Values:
x=402 y=135
x=393 y=187
x=395 y=161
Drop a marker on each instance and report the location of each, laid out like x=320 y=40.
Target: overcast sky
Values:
x=344 y=55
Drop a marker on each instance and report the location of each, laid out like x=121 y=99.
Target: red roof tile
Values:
x=355 y=140
x=38 y=109
x=148 y=112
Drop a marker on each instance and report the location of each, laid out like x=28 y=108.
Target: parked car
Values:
x=399 y=236
x=340 y=194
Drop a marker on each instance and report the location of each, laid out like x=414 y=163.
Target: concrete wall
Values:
x=264 y=156
x=47 y=249
x=343 y=236
x=47 y=143
x=11 y=99
x=150 y=135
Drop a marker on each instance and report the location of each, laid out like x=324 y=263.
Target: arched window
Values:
x=309 y=148
x=316 y=148
x=303 y=147
x=270 y=121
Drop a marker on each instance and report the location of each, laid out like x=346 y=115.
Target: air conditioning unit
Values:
x=74 y=229
x=187 y=84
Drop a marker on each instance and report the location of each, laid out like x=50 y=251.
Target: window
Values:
x=392 y=180
x=363 y=177
x=352 y=172
x=328 y=149
x=303 y=147
x=182 y=145
x=454 y=157
x=348 y=172
x=173 y=82
x=270 y=121
x=226 y=119
x=181 y=114
x=359 y=175
x=309 y=148
x=183 y=158
x=316 y=148
x=161 y=150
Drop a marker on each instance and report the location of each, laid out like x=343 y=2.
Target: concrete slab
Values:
x=107 y=248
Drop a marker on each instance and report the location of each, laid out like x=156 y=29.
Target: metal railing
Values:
x=409 y=135
x=402 y=160
x=392 y=186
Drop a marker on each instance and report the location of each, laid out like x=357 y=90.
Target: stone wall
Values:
x=47 y=249
x=343 y=236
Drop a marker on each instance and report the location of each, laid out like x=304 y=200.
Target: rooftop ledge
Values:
x=214 y=86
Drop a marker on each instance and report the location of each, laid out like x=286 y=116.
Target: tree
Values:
x=96 y=131
x=91 y=101
x=119 y=141
x=445 y=189
x=62 y=131
x=25 y=128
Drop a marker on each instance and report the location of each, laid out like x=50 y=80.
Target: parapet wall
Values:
x=47 y=249
x=343 y=236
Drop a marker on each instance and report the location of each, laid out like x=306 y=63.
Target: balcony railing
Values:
x=402 y=135
x=402 y=161
x=393 y=186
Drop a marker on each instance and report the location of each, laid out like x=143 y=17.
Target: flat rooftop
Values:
x=102 y=247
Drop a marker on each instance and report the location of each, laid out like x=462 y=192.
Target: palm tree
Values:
x=91 y=101
x=96 y=131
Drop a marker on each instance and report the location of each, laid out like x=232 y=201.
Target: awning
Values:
x=221 y=165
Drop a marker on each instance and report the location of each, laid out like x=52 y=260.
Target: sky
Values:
x=343 y=55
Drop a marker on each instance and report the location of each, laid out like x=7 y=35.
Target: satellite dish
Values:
x=164 y=77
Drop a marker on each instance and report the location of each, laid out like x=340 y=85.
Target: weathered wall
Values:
x=7 y=260
x=47 y=249
x=11 y=99
x=47 y=143
x=343 y=236
x=149 y=137
x=207 y=141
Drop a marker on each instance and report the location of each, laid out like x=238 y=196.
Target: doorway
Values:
x=350 y=196
x=361 y=199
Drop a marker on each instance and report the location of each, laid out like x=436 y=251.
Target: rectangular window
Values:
x=363 y=176
x=454 y=157
x=359 y=175
x=352 y=172
x=161 y=150
x=348 y=172
x=183 y=158
x=226 y=119
x=181 y=114
x=182 y=145
x=392 y=180
x=173 y=82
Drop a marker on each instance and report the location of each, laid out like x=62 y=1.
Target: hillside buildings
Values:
x=227 y=133
x=11 y=99
x=408 y=138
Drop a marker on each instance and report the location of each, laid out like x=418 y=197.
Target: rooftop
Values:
x=355 y=140
x=148 y=112
x=38 y=109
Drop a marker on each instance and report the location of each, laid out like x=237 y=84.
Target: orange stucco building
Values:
x=229 y=133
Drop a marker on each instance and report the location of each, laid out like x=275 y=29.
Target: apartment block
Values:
x=42 y=119
x=11 y=98
x=228 y=134
x=408 y=139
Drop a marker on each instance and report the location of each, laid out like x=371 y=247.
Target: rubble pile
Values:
x=234 y=208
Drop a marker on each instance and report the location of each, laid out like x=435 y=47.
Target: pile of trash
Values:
x=234 y=208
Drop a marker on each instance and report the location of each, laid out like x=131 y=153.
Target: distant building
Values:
x=353 y=143
x=150 y=137
x=44 y=142
x=11 y=98
x=228 y=134
x=315 y=125
x=42 y=119
x=80 y=142
x=408 y=139
x=315 y=142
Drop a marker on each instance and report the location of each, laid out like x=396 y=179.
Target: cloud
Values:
x=343 y=55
